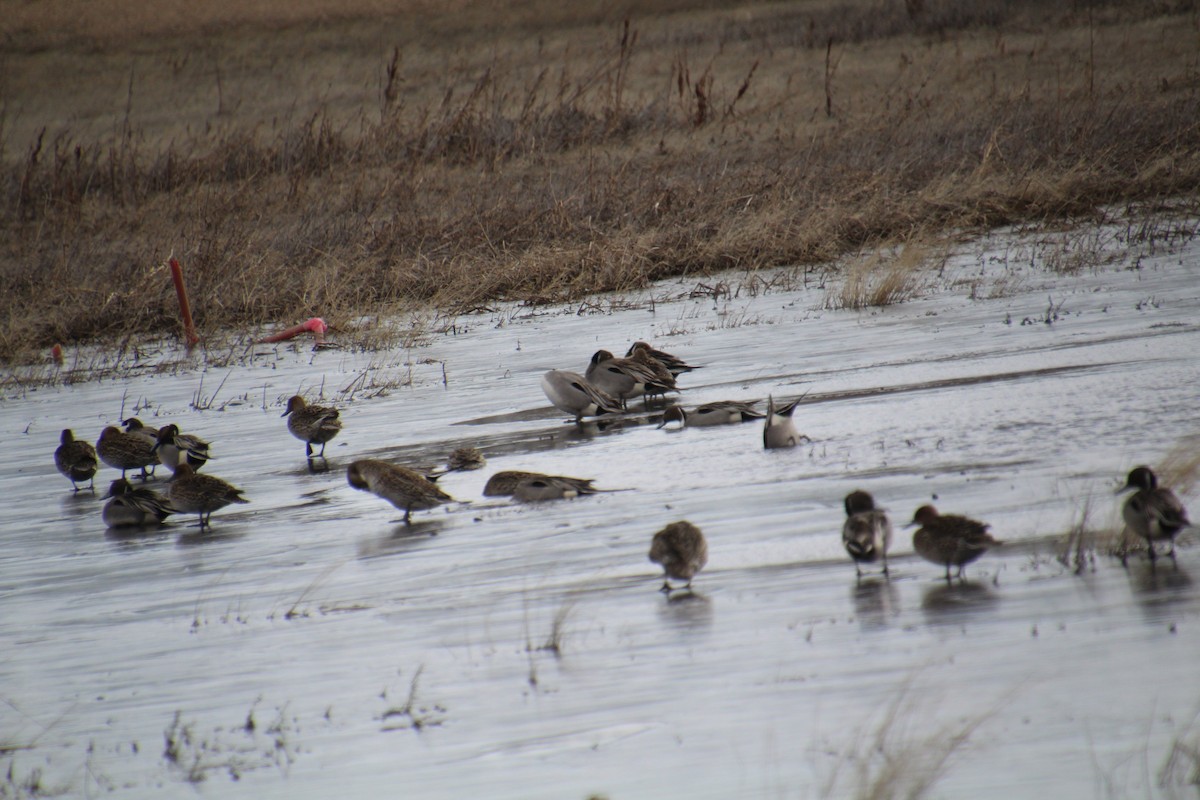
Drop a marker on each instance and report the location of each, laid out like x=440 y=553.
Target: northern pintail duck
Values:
x=682 y=551
x=574 y=394
x=126 y=451
x=624 y=378
x=138 y=428
x=867 y=533
x=192 y=493
x=311 y=424
x=175 y=448
x=128 y=506
x=1153 y=512
x=778 y=429
x=75 y=459
x=722 y=412
x=674 y=364
x=545 y=487
x=949 y=540
x=402 y=487
x=504 y=484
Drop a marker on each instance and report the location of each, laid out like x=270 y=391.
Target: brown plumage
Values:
x=192 y=493
x=950 y=540
x=624 y=377
x=504 y=484
x=311 y=424
x=681 y=549
x=75 y=459
x=404 y=488
x=126 y=451
x=675 y=364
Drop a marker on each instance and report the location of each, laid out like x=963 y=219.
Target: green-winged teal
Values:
x=462 y=459
x=75 y=459
x=574 y=394
x=949 y=540
x=722 y=412
x=867 y=533
x=174 y=448
x=404 y=488
x=192 y=493
x=126 y=451
x=682 y=551
x=311 y=424
x=674 y=364
x=128 y=506
x=1153 y=512
x=778 y=429
x=504 y=484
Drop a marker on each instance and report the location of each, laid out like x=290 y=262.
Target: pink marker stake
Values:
x=316 y=326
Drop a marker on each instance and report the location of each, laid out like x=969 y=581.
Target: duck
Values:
x=624 y=378
x=545 y=487
x=193 y=493
x=575 y=394
x=462 y=459
x=126 y=451
x=1153 y=512
x=778 y=429
x=128 y=506
x=138 y=428
x=663 y=377
x=867 y=532
x=76 y=460
x=722 y=412
x=311 y=424
x=174 y=448
x=504 y=484
x=676 y=365
x=402 y=487
x=950 y=540
x=681 y=550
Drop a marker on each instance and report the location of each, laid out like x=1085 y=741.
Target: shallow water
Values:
x=313 y=612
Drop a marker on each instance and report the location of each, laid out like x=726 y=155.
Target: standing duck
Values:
x=126 y=451
x=867 y=533
x=681 y=549
x=311 y=424
x=174 y=448
x=950 y=540
x=402 y=487
x=76 y=460
x=1153 y=512
x=192 y=493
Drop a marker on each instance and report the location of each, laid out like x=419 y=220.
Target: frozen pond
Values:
x=312 y=646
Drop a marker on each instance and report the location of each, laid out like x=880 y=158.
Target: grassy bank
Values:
x=304 y=161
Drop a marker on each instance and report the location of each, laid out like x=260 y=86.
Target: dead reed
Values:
x=550 y=152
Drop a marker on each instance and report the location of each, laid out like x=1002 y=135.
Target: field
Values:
x=358 y=159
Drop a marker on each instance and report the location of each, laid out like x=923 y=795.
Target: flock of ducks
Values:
x=1153 y=512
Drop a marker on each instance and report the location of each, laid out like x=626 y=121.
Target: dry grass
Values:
x=884 y=278
x=332 y=159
